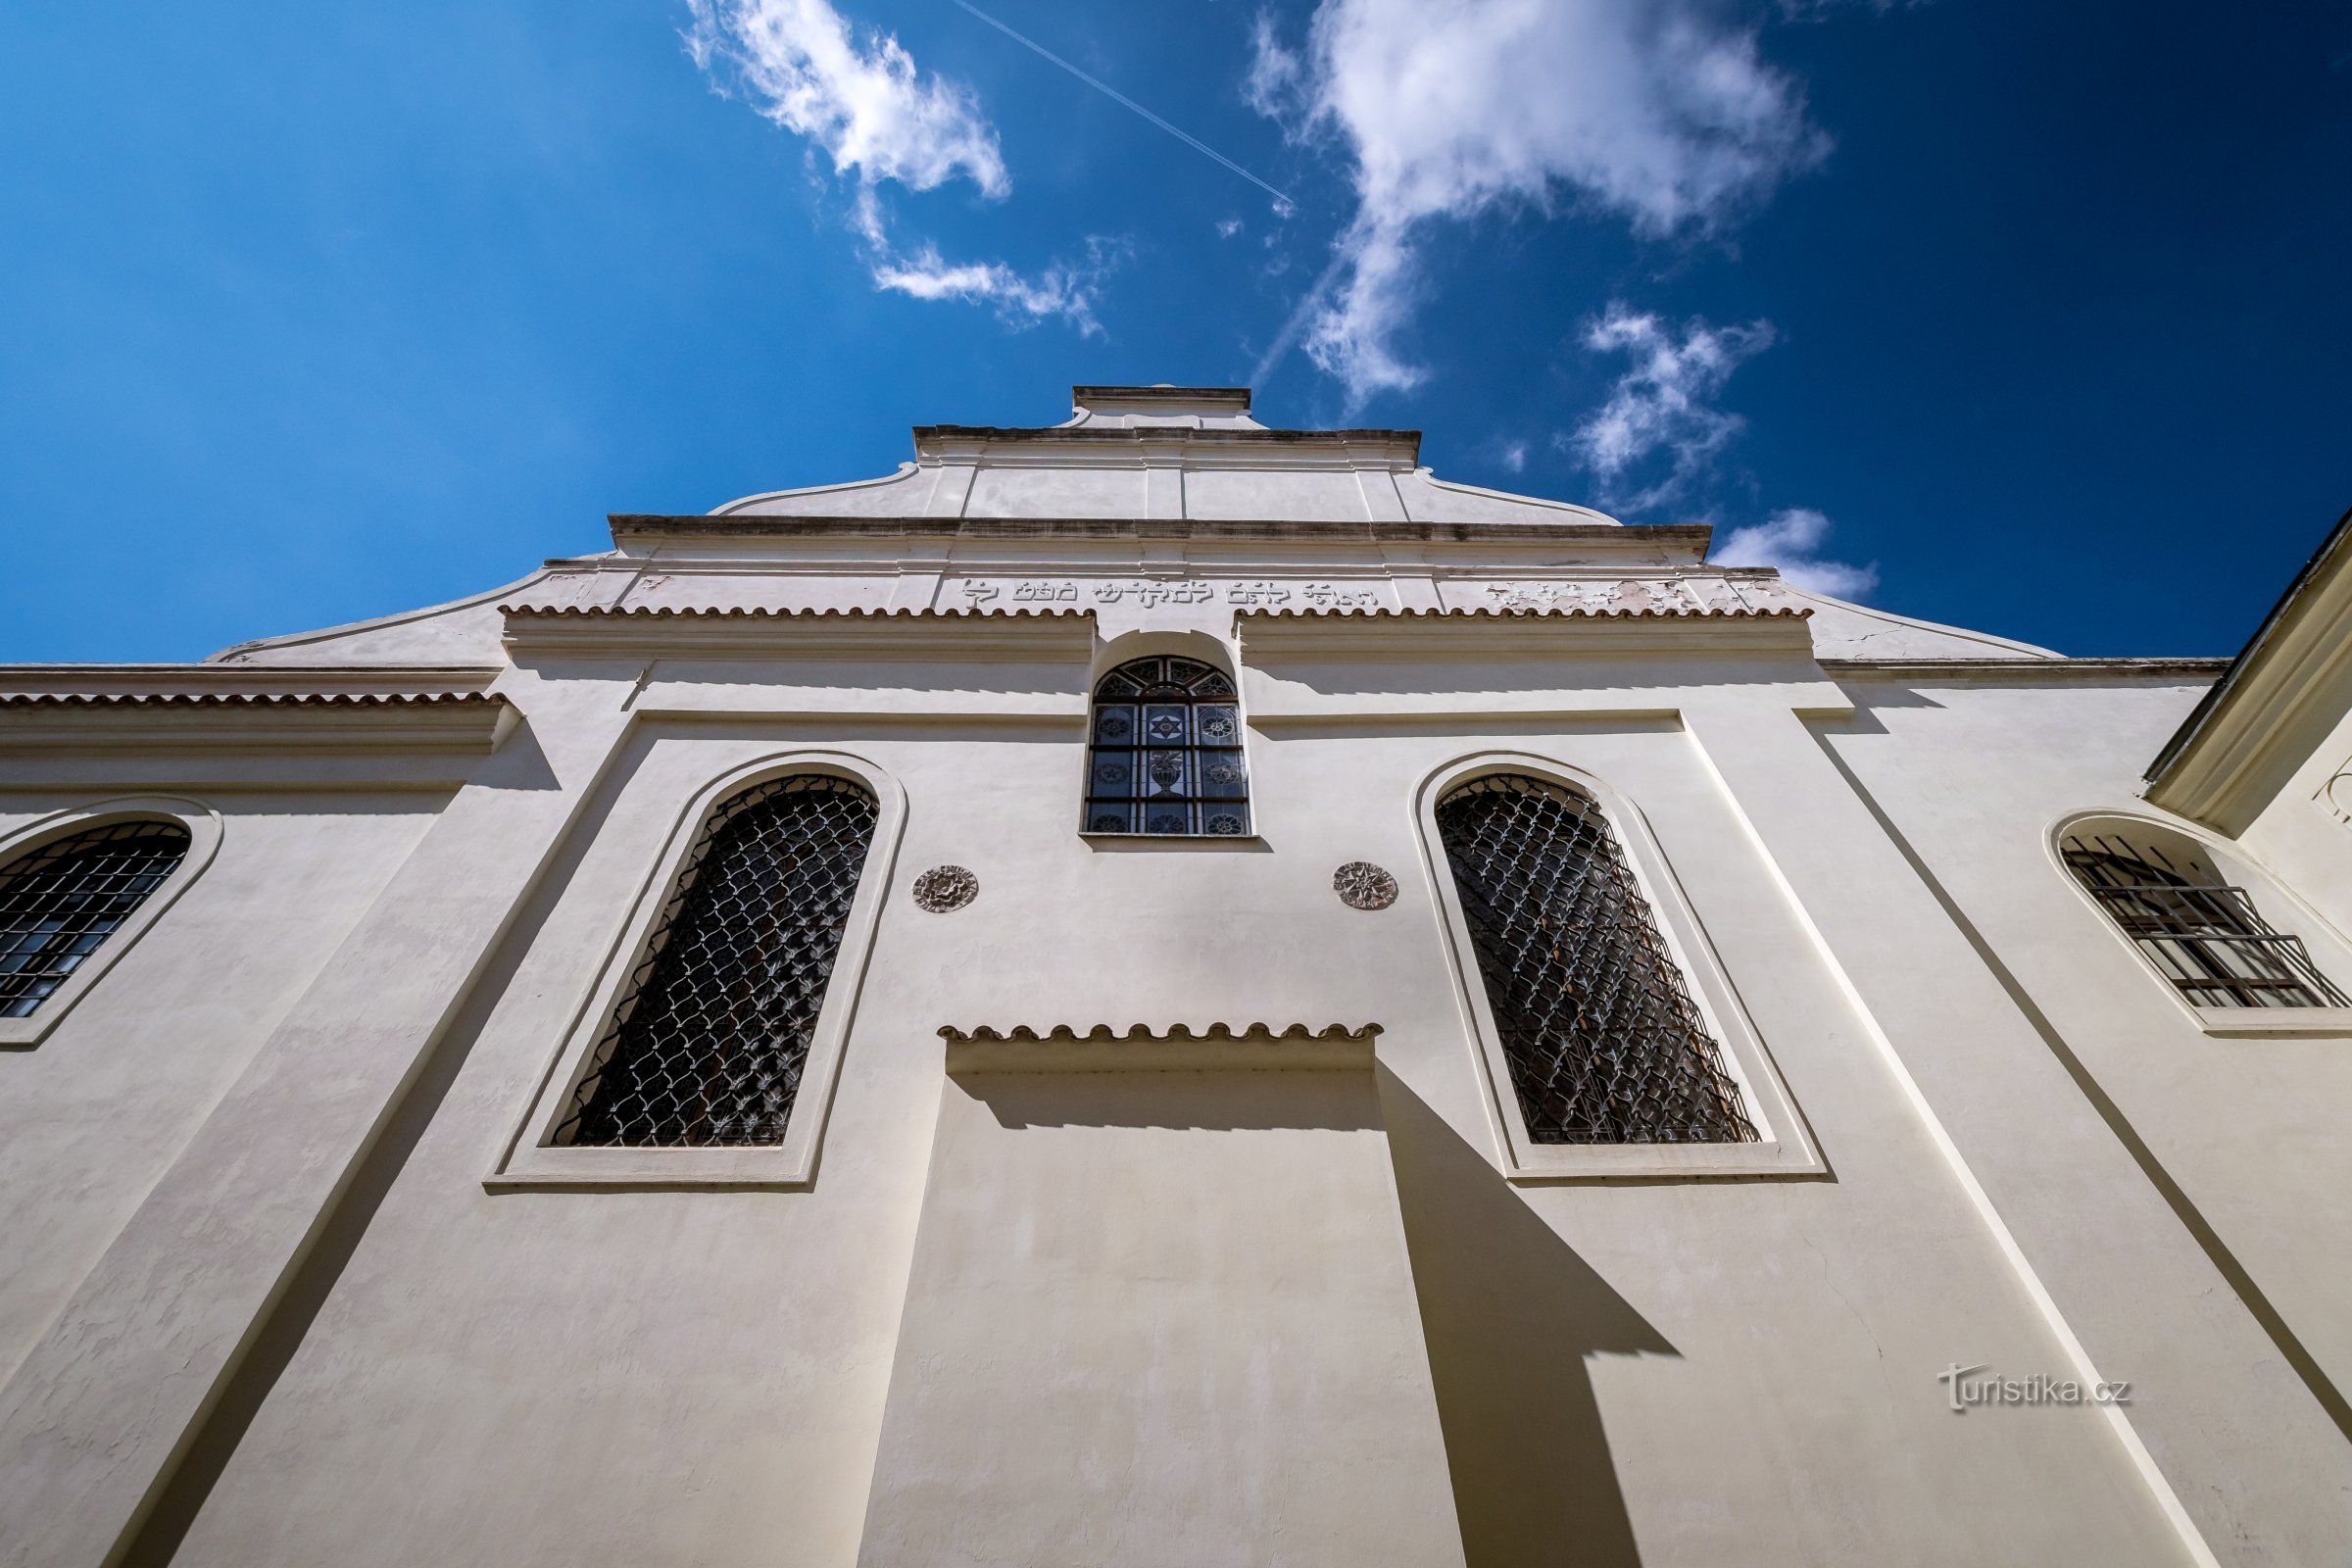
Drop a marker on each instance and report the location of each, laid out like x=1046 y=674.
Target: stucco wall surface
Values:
x=2234 y=1137
x=1730 y=1371
x=94 y=1115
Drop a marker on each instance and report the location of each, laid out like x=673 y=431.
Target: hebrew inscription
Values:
x=1151 y=593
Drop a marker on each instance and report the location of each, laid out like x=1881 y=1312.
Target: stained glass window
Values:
x=61 y=901
x=1165 y=755
x=708 y=1047
x=1604 y=1044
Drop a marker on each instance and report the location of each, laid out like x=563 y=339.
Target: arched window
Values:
x=708 y=1045
x=1604 y=1044
x=2203 y=934
x=1166 y=752
x=61 y=901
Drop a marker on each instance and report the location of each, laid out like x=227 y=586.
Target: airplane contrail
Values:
x=1104 y=87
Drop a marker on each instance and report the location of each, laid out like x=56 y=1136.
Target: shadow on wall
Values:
x=153 y=1542
x=1212 y=1102
x=1511 y=1313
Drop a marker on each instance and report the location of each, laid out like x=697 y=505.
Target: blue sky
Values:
x=2025 y=317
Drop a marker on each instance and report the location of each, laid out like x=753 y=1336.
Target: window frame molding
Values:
x=1783 y=1145
x=205 y=832
x=527 y=1159
x=2220 y=1023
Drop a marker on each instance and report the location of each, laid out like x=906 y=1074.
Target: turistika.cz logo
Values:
x=1967 y=1393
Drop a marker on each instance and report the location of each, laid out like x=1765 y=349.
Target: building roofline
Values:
x=1679 y=536
x=1082 y=394
x=2201 y=718
x=1163 y=434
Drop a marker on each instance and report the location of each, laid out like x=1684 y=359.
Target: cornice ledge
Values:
x=216 y=724
x=1161 y=435
x=768 y=612
x=1677 y=538
x=2028 y=669
x=739 y=631
x=1530 y=613
x=247 y=683
x=1484 y=633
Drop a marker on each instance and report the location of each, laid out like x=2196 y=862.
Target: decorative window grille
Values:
x=1604 y=1044
x=708 y=1043
x=2203 y=935
x=1166 y=752
x=61 y=901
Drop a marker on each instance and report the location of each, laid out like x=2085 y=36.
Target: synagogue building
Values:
x=1156 y=992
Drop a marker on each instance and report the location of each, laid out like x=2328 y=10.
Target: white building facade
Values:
x=1163 y=991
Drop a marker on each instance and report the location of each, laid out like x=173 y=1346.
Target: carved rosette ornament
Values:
x=943 y=888
x=1361 y=885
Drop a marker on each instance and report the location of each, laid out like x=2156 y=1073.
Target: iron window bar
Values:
x=1603 y=1042
x=1165 y=752
x=709 y=1044
x=61 y=901
x=2205 y=935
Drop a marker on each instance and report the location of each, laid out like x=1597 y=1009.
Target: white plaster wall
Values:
x=96 y=1112
x=1161 y=1318
x=2304 y=835
x=1727 y=1372
x=2247 y=1131
x=1038 y=492
x=1240 y=494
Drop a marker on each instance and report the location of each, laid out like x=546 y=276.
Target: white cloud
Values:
x=1662 y=405
x=1661 y=112
x=1227 y=227
x=1788 y=540
x=878 y=117
x=1513 y=456
x=865 y=103
x=1066 y=290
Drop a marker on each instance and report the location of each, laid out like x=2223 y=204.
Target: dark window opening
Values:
x=1604 y=1044
x=708 y=1047
x=58 y=902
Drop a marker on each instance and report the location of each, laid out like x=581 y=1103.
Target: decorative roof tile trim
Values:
x=251 y=699
x=760 y=613
x=1505 y=613
x=1140 y=1034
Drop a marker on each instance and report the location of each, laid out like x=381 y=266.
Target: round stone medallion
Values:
x=943 y=888
x=1361 y=885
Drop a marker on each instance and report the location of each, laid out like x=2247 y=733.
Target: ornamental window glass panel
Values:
x=1603 y=1042
x=2203 y=935
x=59 y=901
x=708 y=1045
x=1164 y=755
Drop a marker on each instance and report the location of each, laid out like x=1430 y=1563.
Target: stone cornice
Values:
x=1487 y=633
x=1684 y=542
x=1238 y=396
x=738 y=632
x=1408 y=442
x=292 y=682
x=2012 y=670
x=218 y=724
